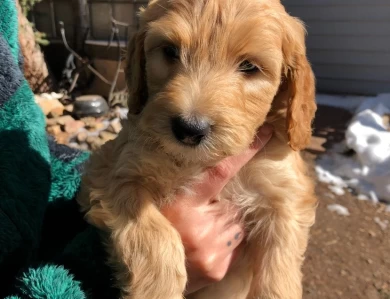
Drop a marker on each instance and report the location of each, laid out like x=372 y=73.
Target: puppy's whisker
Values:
x=162 y=6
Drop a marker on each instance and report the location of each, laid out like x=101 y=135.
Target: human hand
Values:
x=210 y=229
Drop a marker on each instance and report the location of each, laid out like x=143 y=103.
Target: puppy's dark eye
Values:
x=171 y=52
x=248 y=67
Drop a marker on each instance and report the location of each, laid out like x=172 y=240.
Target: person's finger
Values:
x=219 y=175
x=210 y=264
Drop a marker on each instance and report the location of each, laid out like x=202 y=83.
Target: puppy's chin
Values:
x=207 y=153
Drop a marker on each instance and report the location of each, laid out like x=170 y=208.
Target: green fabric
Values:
x=53 y=280
x=65 y=179
x=46 y=248
x=9 y=25
x=14 y=116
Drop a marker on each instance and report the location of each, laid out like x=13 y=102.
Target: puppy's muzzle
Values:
x=190 y=131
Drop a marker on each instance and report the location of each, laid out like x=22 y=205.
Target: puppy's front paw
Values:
x=150 y=257
x=158 y=270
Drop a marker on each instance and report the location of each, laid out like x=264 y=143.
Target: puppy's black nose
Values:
x=190 y=131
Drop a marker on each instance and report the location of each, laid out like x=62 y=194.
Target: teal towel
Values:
x=46 y=248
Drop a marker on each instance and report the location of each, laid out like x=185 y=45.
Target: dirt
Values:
x=348 y=256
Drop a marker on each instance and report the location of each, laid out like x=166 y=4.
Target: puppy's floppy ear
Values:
x=135 y=73
x=301 y=105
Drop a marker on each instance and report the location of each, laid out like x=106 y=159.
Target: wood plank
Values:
x=328 y=85
x=291 y=3
x=349 y=57
x=353 y=28
x=369 y=73
x=342 y=13
x=355 y=43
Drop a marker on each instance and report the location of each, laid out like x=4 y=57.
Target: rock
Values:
x=92 y=124
x=82 y=137
x=47 y=105
x=90 y=105
x=107 y=136
x=99 y=126
x=54 y=95
x=119 y=112
x=93 y=139
x=95 y=142
x=115 y=126
x=97 y=145
x=339 y=209
x=74 y=145
x=63 y=120
x=56 y=112
x=74 y=126
x=62 y=138
x=54 y=130
x=69 y=108
x=382 y=223
x=51 y=122
x=84 y=146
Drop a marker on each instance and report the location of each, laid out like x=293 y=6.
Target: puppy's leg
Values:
x=235 y=285
x=146 y=251
x=280 y=253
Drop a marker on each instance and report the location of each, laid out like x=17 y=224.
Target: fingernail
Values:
x=266 y=130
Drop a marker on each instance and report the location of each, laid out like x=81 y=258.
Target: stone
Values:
x=91 y=139
x=56 y=112
x=99 y=126
x=63 y=120
x=51 y=122
x=74 y=126
x=115 y=126
x=74 y=145
x=107 y=136
x=83 y=146
x=82 y=136
x=90 y=105
x=47 y=105
x=372 y=234
x=95 y=142
x=96 y=145
x=119 y=112
x=69 y=108
x=62 y=138
x=54 y=130
x=92 y=124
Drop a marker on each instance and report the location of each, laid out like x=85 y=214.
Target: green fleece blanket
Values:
x=46 y=249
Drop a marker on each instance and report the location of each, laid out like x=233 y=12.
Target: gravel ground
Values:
x=348 y=256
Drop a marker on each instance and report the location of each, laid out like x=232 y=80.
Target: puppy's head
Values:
x=203 y=74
